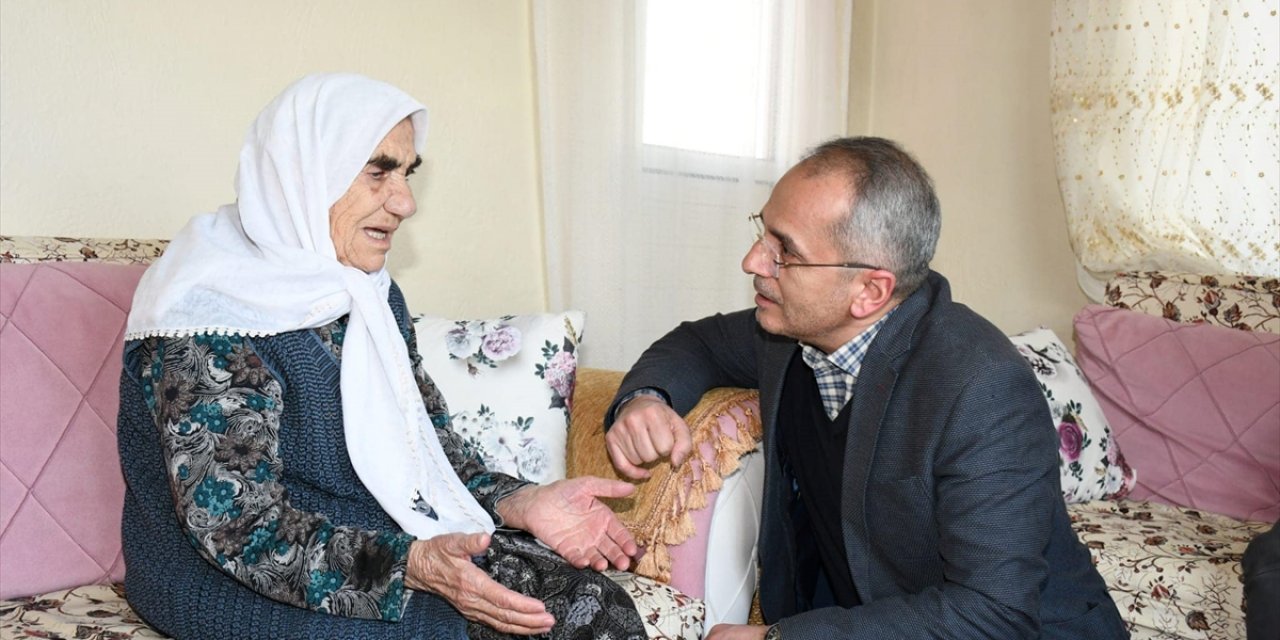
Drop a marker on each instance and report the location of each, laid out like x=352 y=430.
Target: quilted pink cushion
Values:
x=61 y=326
x=1196 y=408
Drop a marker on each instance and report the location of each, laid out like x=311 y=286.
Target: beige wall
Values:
x=123 y=118
x=964 y=85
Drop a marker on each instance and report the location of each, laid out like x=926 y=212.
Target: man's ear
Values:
x=877 y=291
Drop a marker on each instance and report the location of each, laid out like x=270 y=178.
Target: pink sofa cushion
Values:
x=61 y=327
x=1196 y=408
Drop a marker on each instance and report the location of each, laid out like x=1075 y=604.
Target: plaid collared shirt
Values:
x=836 y=373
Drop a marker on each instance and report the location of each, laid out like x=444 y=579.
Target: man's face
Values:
x=809 y=304
x=363 y=220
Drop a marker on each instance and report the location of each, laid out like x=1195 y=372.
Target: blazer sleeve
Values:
x=695 y=357
x=995 y=488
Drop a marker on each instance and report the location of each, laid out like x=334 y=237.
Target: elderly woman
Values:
x=289 y=475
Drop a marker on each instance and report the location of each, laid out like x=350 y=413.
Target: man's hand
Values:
x=442 y=565
x=568 y=516
x=737 y=632
x=646 y=430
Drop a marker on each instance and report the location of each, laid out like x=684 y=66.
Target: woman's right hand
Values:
x=442 y=565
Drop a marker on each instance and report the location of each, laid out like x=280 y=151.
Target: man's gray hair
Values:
x=894 y=218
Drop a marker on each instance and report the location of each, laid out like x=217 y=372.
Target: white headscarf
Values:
x=266 y=265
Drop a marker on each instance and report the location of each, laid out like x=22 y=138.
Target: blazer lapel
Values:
x=871 y=396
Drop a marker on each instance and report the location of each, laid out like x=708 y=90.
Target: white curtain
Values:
x=643 y=236
x=1166 y=122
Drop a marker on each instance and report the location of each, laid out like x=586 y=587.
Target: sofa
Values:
x=1186 y=370
x=1166 y=504
x=63 y=304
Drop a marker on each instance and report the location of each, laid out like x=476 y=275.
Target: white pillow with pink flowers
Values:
x=1090 y=463
x=508 y=382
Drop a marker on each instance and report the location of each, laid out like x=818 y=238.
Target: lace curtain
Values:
x=1165 y=124
x=644 y=236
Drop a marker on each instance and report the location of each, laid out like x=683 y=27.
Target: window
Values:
x=709 y=76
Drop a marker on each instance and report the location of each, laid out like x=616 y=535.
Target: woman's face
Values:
x=363 y=220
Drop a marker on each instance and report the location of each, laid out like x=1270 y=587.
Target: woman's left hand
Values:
x=568 y=516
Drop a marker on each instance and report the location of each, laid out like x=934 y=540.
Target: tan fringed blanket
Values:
x=725 y=425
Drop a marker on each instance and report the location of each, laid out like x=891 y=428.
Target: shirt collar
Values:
x=848 y=358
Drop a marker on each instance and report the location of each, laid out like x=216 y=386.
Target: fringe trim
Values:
x=195 y=331
x=685 y=489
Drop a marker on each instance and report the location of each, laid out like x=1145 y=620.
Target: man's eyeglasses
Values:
x=779 y=263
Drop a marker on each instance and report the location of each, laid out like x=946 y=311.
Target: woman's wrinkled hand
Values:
x=443 y=566
x=568 y=516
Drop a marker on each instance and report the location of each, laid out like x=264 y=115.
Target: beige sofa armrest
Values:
x=725 y=426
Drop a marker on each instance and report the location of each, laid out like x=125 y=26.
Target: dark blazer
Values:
x=951 y=507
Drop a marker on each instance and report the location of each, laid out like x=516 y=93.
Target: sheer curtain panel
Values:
x=663 y=124
x=1166 y=124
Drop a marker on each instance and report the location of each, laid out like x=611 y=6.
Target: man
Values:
x=911 y=466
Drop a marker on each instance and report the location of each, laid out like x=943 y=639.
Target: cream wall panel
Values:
x=124 y=118
x=964 y=85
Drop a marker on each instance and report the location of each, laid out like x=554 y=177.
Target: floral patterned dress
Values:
x=263 y=490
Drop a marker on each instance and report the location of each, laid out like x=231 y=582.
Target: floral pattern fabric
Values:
x=509 y=381
x=586 y=604
x=1090 y=462
x=486 y=485
x=1173 y=572
x=100 y=612
x=667 y=613
x=94 y=612
x=482 y=342
x=32 y=249
x=1247 y=303
x=217 y=407
x=218 y=410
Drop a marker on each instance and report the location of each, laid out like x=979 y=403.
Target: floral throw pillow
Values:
x=508 y=382
x=1090 y=462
